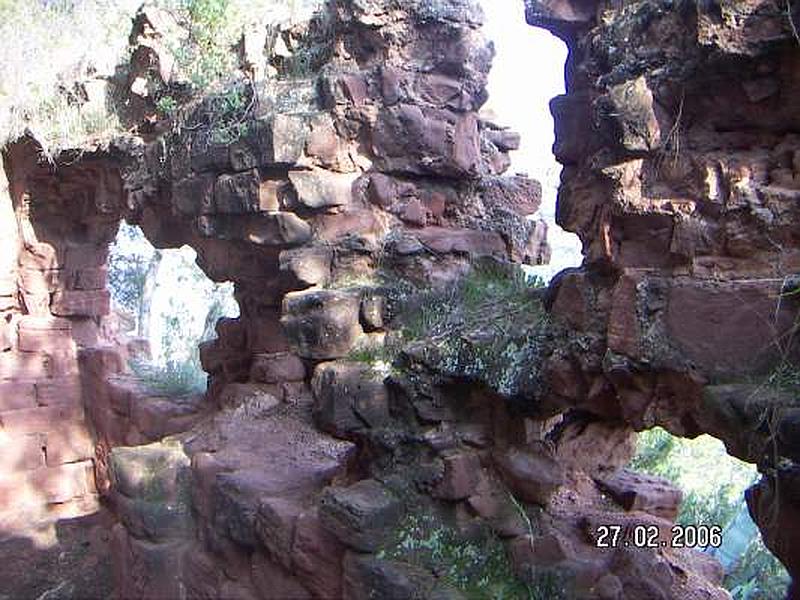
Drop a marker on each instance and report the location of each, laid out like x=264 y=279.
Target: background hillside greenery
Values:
x=49 y=46
x=713 y=483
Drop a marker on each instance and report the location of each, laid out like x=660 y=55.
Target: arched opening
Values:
x=713 y=484
x=164 y=298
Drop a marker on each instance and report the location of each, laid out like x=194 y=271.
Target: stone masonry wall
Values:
x=355 y=164
x=376 y=162
x=54 y=300
x=678 y=136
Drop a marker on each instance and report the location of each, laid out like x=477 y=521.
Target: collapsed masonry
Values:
x=370 y=167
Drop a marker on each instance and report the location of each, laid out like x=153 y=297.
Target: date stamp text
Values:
x=651 y=536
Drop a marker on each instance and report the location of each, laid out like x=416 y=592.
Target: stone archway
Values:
x=680 y=183
x=345 y=196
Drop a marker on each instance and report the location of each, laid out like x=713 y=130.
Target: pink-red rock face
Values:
x=376 y=168
x=677 y=136
x=379 y=162
x=56 y=229
x=376 y=163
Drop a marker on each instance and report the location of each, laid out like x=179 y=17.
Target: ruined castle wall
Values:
x=678 y=136
x=56 y=240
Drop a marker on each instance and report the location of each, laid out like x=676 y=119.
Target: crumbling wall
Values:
x=353 y=163
x=56 y=229
x=323 y=183
x=678 y=140
x=373 y=169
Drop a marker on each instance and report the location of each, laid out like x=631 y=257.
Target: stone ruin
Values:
x=370 y=166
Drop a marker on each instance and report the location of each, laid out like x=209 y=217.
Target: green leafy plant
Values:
x=41 y=83
x=713 y=483
x=206 y=57
x=758 y=575
x=492 y=295
x=167 y=106
x=477 y=566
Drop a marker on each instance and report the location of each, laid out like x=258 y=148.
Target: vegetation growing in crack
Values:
x=57 y=87
x=43 y=85
x=309 y=47
x=476 y=565
x=490 y=325
x=380 y=358
x=492 y=298
x=226 y=115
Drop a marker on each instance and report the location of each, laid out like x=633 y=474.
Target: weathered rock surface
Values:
x=341 y=191
x=679 y=178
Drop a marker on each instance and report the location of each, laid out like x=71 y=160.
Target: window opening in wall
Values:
x=527 y=71
x=713 y=485
x=164 y=298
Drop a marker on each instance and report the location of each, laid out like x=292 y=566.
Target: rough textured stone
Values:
x=148 y=471
x=237 y=194
x=94 y=303
x=368 y=577
x=532 y=473
x=375 y=166
x=39 y=419
x=320 y=189
x=16 y=395
x=348 y=398
x=360 y=515
x=461 y=473
x=277 y=368
x=637 y=491
x=321 y=324
x=309 y=265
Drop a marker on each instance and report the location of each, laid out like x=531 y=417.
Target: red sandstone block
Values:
x=85 y=331
x=86 y=256
x=93 y=303
x=68 y=444
x=45 y=341
x=64 y=363
x=90 y=278
x=63 y=483
x=37 y=304
x=120 y=392
x=22 y=452
x=59 y=391
x=212 y=355
x=15 y=395
x=101 y=362
x=47 y=485
x=38 y=281
x=25 y=365
x=156 y=418
x=277 y=368
x=88 y=504
x=39 y=419
x=41 y=255
x=46 y=324
x=109 y=426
